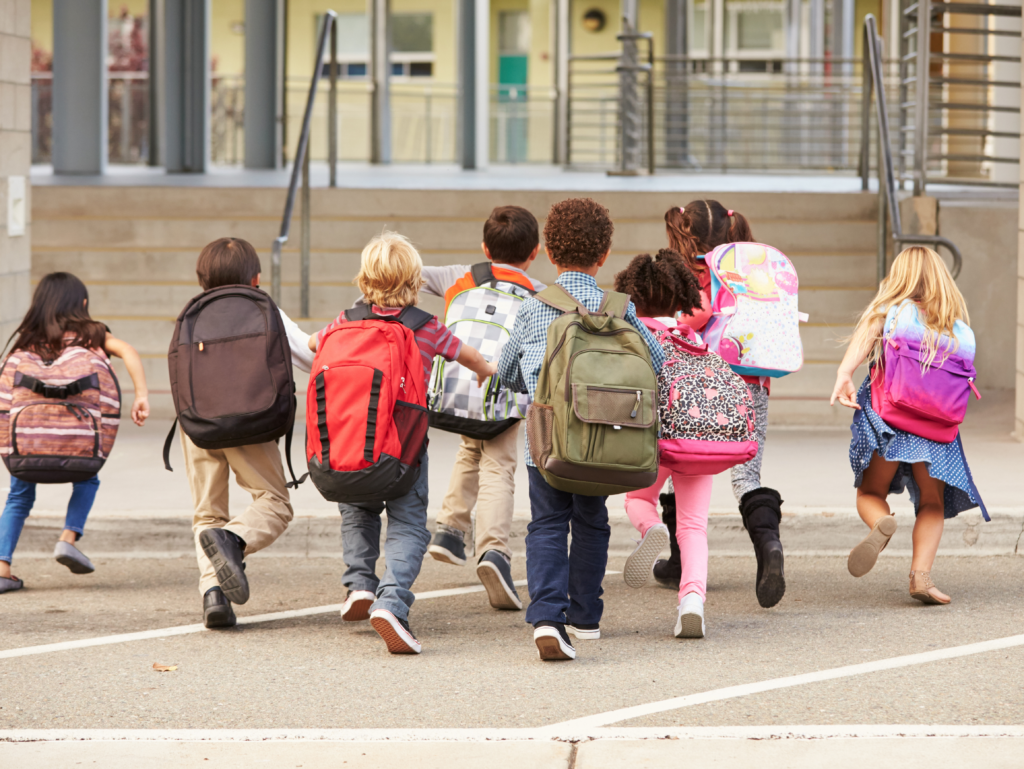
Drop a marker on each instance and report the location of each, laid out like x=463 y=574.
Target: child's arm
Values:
x=509 y=372
x=132 y=361
x=863 y=340
x=471 y=358
x=437 y=280
x=657 y=354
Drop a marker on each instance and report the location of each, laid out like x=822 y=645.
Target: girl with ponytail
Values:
x=694 y=231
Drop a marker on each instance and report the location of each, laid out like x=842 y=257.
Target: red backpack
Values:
x=366 y=407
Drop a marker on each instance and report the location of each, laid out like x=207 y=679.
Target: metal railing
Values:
x=328 y=34
x=959 y=103
x=888 y=203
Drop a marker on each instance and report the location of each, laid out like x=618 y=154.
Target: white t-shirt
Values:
x=298 y=341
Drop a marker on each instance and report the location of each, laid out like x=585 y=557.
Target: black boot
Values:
x=762 y=510
x=668 y=572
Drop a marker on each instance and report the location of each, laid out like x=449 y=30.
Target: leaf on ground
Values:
x=163 y=668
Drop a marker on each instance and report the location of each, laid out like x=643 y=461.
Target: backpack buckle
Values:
x=55 y=391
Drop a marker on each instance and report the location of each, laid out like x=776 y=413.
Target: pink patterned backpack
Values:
x=706 y=412
x=58 y=419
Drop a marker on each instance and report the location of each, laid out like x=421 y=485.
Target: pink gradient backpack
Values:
x=929 y=402
x=58 y=419
x=705 y=409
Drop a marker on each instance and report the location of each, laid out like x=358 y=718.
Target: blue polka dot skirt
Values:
x=946 y=461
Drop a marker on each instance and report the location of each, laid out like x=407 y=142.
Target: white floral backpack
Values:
x=755 y=321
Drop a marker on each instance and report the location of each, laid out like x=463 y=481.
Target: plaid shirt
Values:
x=523 y=354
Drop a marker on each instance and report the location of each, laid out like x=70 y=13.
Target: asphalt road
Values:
x=479 y=668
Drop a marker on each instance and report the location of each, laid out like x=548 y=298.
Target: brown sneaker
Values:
x=923 y=589
x=863 y=557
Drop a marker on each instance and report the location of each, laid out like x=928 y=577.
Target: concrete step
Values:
x=382 y=204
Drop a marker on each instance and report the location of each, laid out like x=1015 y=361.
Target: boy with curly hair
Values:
x=565 y=585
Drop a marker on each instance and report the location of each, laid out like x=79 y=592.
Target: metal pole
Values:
x=304 y=242
x=156 y=16
x=562 y=89
x=883 y=238
x=651 y=159
x=921 y=73
x=332 y=117
x=865 y=117
x=380 y=76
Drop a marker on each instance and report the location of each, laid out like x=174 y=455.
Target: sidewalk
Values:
x=142 y=509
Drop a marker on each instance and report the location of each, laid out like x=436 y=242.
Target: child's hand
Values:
x=140 y=410
x=845 y=392
x=489 y=370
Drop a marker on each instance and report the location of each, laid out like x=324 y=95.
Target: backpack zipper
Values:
x=636 y=406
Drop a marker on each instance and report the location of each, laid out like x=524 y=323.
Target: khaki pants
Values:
x=259 y=470
x=483 y=475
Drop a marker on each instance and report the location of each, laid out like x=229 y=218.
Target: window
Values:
x=412 y=45
x=698 y=43
x=514 y=32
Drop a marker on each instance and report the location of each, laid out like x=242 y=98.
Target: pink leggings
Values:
x=693 y=500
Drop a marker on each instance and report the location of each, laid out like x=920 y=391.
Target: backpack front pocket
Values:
x=540 y=426
x=612 y=426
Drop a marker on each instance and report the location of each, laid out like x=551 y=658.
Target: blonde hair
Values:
x=919 y=275
x=391 y=271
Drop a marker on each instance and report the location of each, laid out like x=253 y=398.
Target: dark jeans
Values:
x=564 y=580
x=404 y=548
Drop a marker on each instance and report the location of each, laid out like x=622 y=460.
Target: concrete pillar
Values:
x=264 y=82
x=561 y=47
x=186 y=85
x=1004 y=96
x=474 y=82
x=15 y=163
x=677 y=145
x=380 y=76
x=79 y=86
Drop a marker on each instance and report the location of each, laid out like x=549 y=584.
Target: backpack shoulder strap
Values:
x=360 y=312
x=614 y=304
x=557 y=297
x=413 y=318
x=482 y=273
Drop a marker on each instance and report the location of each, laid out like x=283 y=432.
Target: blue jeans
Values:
x=565 y=580
x=404 y=548
x=19 y=504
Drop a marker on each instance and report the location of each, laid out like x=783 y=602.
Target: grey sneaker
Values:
x=7 y=584
x=70 y=556
x=640 y=563
x=495 y=572
x=448 y=546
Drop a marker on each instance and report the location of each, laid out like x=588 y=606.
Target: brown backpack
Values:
x=231 y=371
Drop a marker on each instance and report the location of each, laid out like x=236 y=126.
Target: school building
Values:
x=143 y=129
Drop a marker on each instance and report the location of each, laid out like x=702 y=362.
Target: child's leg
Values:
x=496 y=501
x=457 y=507
x=547 y=556
x=874 y=488
x=208 y=479
x=588 y=559
x=260 y=471
x=83 y=494
x=930 y=518
x=406 y=544
x=19 y=504
x=360 y=544
x=747 y=477
x=642 y=505
x=693 y=501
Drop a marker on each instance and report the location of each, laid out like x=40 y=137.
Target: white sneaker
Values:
x=691 y=617
x=357 y=605
x=640 y=563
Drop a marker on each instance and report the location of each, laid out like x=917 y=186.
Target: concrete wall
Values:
x=15 y=157
x=986 y=233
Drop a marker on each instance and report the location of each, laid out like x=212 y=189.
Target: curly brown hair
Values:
x=662 y=285
x=578 y=232
x=703 y=225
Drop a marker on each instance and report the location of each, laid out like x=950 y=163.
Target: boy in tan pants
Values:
x=484 y=472
x=258 y=467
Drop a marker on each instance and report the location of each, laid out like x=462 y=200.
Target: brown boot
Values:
x=863 y=556
x=923 y=589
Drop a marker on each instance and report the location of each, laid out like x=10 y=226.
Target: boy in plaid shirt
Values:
x=484 y=472
x=565 y=585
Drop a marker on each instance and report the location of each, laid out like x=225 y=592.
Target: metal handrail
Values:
x=300 y=168
x=887 y=202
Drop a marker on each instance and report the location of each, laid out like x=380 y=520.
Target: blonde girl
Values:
x=919 y=294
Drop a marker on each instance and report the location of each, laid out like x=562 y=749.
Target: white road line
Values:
x=167 y=632
x=852 y=731
x=730 y=692
x=143 y=635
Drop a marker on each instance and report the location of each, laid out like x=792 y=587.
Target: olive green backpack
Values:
x=593 y=423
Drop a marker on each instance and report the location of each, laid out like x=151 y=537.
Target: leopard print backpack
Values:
x=707 y=414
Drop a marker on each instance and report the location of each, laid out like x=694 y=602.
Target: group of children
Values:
x=669 y=293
